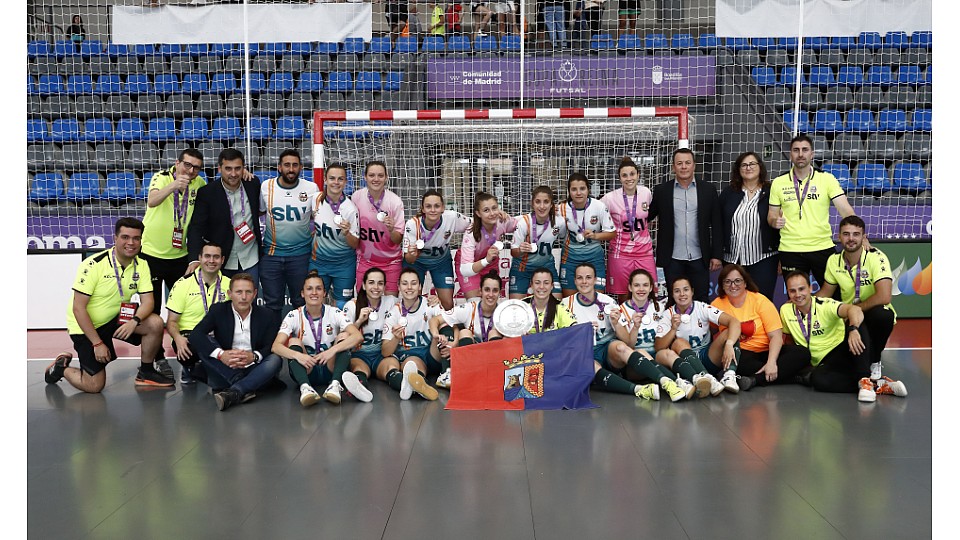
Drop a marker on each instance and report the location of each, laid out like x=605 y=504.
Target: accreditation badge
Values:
x=177 y=240
x=127 y=311
x=244 y=232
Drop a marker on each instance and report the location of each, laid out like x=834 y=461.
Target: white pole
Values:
x=799 y=75
x=248 y=100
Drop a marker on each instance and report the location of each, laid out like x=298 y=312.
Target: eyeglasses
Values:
x=729 y=282
x=749 y=165
x=191 y=166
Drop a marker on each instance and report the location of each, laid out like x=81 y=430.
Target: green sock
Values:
x=340 y=364
x=683 y=367
x=644 y=367
x=611 y=382
x=445 y=362
x=664 y=372
x=298 y=373
x=693 y=359
x=394 y=379
x=736 y=357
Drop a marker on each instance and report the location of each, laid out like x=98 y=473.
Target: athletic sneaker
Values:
x=875 y=371
x=185 y=376
x=888 y=386
x=703 y=385
x=675 y=392
x=688 y=389
x=647 y=391
x=421 y=387
x=867 y=393
x=332 y=393
x=249 y=396
x=227 y=398
x=443 y=381
x=746 y=382
x=152 y=378
x=729 y=381
x=163 y=367
x=715 y=387
x=356 y=388
x=308 y=396
x=405 y=389
x=54 y=371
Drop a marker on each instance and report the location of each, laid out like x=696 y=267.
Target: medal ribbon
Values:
x=631 y=212
x=243 y=202
x=535 y=232
x=583 y=220
x=376 y=204
x=484 y=329
x=805 y=329
x=116 y=275
x=180 y=208
x=423 y=229
x=336 y=207
x=796 y=189
x=315 y=330
x=855 y=278
x=203 y=290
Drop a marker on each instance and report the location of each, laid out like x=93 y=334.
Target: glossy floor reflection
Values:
x=770 y=463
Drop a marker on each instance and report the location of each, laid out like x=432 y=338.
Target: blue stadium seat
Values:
x=120 y=186
x=161 y=129
x=394 y=79
x=116 y=50
x=37 y=49
x=654 y=42
x=339 y=81
x=79 y=84
x=816 y=43
x=281 y=82
x=352 y=45
x=310 y=81
x=433 y=44
x=264 y=174
x=83 y=186
x=381 y=45
x=599 y=42
x=195 y=129
x=169 y=50
x=327 y=47
x=821 y=76
x=258 y=83
x=892 y=120
x=143 y=50
x=368 y=81
x=196 y=50
x=165 y=84
x=736 y=43
x=803 y=118
x=844 y=43
x=842 y=174
x=827 y=121
x=879 y=75
x=108 y=84
x=224 y=49
x=65 y=130
x=46 y=187
x=273 y=49
x=226 y=128
x=37 y=131
x=708 y=42
x=137 y=83
x=261 y=128
x=91 y=47
x=922 y=120
x=764 y=76
x=32 y=88
x=629 y=42
x=680 y=42
x=789 y=43
x=909 y=75
x=65 y=48
x=459 y=43
x=909 y=177
x=860 y=120
x=51 y=84
x=921 y=38
x=851 y=76
x=301 y=48
x=129 y=130
x=223 y=83
x=870 y=40
x=764 y=43
x=306 y=173
x=510 y=43
x=406 y=44
x=872 y=178
x=290 y=127
x=98 y=130
x=788 y=76
x=195 y=84
x=486 y=43
x=896 y=40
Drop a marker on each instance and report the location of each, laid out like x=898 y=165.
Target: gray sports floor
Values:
x=770 y=463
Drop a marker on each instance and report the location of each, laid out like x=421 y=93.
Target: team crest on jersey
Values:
x=425 y=317
x=446 y=235
x=599 y=315
x=645 y=207
x=556 y=231
x=329 y=329
x=302 y=196
x=593 y=220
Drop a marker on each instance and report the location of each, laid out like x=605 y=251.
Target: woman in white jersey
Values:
x=588 y=224
x=316 y=341
x=336 y=236
x=690 y=322
x=533 y=242
x=426 y=243
x=410 y=349
x=366 y=312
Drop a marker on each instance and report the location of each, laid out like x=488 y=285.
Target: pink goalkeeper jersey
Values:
x=472 y=250
x=375 y=244
x=632 y=238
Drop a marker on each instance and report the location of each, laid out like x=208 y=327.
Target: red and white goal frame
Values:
x=320 y=117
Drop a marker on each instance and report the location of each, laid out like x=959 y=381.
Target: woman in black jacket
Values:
x=748 y=240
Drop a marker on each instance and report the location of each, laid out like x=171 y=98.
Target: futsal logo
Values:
x=567 y=71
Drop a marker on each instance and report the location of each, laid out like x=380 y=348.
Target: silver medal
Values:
x=420 y=244
x=533 y=248
x=402 y=322
x=498 y=244
x=646 y=319
x=337 y=219
x=580 y=237
x=609 y=309
x=373 y=316
x=684 y=318
x=381 y=215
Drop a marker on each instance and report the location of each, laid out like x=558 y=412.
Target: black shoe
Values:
x=152 y=378
x=54 y=371
x=803 y=377
x=227 y=398
x=746 y=382
x=161 y=365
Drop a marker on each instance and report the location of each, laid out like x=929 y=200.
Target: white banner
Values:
x=268 y=23
x=777 y=18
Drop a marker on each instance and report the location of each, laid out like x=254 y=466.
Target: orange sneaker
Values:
x=867 y=392
x=886 y=385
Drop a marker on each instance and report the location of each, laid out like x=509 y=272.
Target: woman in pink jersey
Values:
x=632 y=247
x=381 y=225
x=480 y=250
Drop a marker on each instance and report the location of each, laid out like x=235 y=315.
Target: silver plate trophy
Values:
x=513 y=318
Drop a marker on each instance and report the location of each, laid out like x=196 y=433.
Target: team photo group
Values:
x=355 y=268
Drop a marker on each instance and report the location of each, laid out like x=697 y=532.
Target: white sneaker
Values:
x=688 y=389
x=875 y=372
x=729 y=381
x=420 y=386
x=702 y=385
x=715 y=387
x=405 y=389
x=867 y=393
x=332 y=393
x=308 y=396
x=443 y=381
x=356 y=388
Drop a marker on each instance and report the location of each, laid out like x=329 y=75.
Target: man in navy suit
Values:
x=233 y=343
x=689 y=241
x=228 y=213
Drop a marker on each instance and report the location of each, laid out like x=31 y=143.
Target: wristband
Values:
x=135 y=318
x=851 y=328
x=97 y=344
